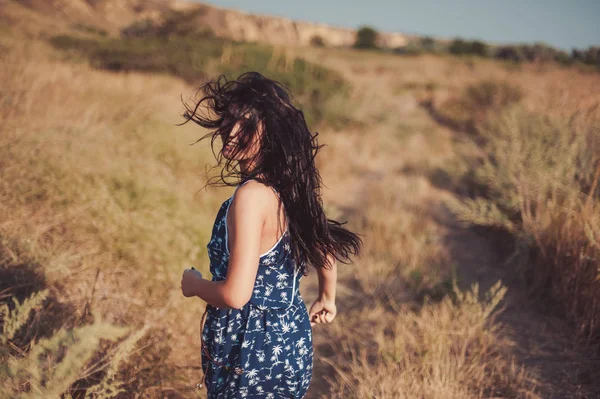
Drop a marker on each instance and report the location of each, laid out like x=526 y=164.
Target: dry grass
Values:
x=406 y=331
x=450 y=349
x=533 y=169
x=86 y=158
x=535 y=143
x=538 y=178
x=97 y=191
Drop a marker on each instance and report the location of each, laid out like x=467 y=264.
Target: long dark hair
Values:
x=285 y=161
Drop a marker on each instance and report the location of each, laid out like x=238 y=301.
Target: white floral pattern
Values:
x=270 y=337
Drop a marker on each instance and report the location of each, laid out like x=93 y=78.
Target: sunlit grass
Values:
x=99 y=195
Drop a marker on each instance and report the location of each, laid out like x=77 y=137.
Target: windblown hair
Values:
x=285 y=161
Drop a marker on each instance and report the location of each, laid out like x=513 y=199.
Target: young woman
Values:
x=257 y=333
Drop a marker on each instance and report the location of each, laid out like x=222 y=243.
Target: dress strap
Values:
x=275 y=191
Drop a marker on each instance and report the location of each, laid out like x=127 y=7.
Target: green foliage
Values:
x=563 y=58
x=458 y=47
x=462 y=47
x=537 y=52
x=479 y=48
x=591 y=56
x=511 y=53
x=366 y=37
x=428 y=44
x=196 y=58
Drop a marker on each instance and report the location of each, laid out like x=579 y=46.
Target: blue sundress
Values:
x=270 y=337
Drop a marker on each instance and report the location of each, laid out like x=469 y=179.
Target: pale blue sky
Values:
x=561 y=23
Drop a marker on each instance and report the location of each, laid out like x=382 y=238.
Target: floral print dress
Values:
x=270 y=337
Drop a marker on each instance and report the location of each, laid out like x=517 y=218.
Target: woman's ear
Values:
x=260 y=126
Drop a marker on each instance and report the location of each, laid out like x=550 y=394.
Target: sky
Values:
x=562 y=23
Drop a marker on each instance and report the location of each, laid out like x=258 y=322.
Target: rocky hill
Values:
x=244 y=26
x=111 y=15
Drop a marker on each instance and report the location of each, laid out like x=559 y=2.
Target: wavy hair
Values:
x=285 y=160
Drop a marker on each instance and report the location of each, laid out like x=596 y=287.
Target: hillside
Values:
x=35 y=16
x=111 y=15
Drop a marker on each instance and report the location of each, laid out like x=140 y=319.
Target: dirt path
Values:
x=542 y=343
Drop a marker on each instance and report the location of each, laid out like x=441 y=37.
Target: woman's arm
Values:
x=323 y=310
x=328 y=280
x=248 y=213
x=210 y=291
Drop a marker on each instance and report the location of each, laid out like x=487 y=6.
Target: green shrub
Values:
x=428 y=44
x=478 y=48
x=463 y=47
x=511 y=53
x=195 y=59
x=458 y=47
x=592 y=56
x=538 y=52
x=366 y=37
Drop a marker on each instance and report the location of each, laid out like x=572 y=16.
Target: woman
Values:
x=257 y=334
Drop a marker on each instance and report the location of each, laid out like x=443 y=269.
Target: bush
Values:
x=194 y=59
x=541 y=177
x=366 y=37
x=563 y=58
x=591 y=56
x=428 y=44
x=469 y=110
x=54 y=364
x=478 y=48
x=458 y=47
x=317 y=41
x=461 y=47
x=538 y=52
x=511 y=53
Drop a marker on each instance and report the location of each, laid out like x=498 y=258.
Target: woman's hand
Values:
x=322 y=311
x=188 y=282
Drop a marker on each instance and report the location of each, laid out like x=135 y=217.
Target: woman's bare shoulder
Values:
x=253 y=193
